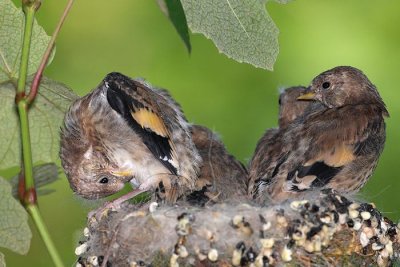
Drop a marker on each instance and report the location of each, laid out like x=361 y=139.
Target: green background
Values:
x=236 y=100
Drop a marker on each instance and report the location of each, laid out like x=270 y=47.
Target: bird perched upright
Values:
x=126 y=131
x=265 y=153
x=221 y=175
x=335 y=144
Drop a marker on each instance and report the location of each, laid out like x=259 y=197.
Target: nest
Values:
x=327 y=229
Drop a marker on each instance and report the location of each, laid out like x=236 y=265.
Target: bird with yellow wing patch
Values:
x=127 y=131
x=335 y=144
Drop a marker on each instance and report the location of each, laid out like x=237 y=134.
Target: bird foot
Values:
x=113 y=205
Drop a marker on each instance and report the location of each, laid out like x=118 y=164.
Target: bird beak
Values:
x=122 y=173
x=307 y=96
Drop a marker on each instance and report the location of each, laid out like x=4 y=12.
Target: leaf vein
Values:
x=237 y=17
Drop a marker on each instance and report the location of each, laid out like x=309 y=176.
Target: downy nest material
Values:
x=328 y=229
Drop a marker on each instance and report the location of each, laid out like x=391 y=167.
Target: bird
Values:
x=289 y=110
x=124 y=131
x=335 y=144
x=289 y=107
x=221 y=177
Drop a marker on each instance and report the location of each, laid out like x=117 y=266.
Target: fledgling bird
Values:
x=289 y=109
x=221 y=175
x=127 y=131
x=335 y=144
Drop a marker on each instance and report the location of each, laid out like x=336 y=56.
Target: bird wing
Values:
x=139 y=105
x=332 y=140
x=221 y=175
x=269 y=155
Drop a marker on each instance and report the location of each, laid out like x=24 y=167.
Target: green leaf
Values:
x=14 y=229
x=241 y=29
x=174 y=11
x=43 y=175
x=11 y=32
x=45 y=118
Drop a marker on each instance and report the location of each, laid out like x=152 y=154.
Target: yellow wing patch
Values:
x=338 y=156
x=148 y=119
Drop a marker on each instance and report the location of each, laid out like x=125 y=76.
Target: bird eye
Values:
x=326 y=85
x=280 y=101
x=103 y=180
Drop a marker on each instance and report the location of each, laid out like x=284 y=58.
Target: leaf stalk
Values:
x=28 y=192
x=38 y=76
x=44 y=233
x=23 y=69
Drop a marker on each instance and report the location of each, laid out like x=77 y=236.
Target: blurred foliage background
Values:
x=236 y=100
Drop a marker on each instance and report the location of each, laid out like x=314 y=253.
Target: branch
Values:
x=38 y=76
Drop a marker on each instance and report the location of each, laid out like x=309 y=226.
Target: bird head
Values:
x=92 y=176
x=342 y=86
x=289 y=107
x=84 y=157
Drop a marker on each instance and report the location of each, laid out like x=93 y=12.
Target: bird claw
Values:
x=112 y=205
x=103 y=211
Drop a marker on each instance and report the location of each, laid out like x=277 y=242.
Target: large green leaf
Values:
x=241 y=29
x=174 y=11
x=45 y=118
x=14 y=229
x=11 y=35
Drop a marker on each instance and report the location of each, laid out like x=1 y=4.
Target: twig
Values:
x=38 y=76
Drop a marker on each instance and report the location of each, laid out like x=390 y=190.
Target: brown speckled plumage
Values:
x=221 y=175
x=266 y=152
